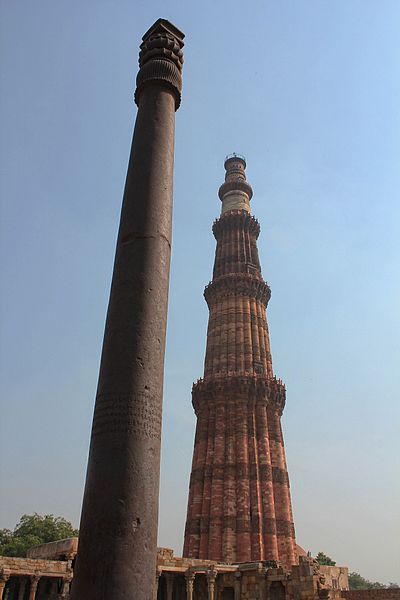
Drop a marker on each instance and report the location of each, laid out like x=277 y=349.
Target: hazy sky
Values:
x=309 y=92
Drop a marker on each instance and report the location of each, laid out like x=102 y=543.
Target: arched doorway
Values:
x=277 y=591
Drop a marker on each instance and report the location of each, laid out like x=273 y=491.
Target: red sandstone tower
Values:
x=239 y=507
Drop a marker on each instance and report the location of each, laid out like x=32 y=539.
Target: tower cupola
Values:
x=235 y=193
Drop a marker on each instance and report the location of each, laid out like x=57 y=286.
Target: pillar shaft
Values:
x=211 y=584
x=170 y=585
x=33 y=587
x=22 y=586
x=65 y=585
x=238 y=586
x=118 y=533
x=3 y=582
x=189 y=585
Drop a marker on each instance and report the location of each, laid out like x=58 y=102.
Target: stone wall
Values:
x=59 y=550
x=336 y=577
x=379 y=594
x=30 y=566
x=37 y=578
x=190 y=579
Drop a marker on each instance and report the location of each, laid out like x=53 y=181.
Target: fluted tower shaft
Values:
x=239 y=506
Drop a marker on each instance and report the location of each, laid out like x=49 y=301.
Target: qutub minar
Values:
x=239 y=507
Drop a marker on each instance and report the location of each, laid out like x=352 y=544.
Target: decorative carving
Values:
x=189 y=576
x=33 y=587
x=237 y=184
x=161 y=59
x=237 y=284
x=236 y=219
x=120 y=414
x=270 y=564
x=280 y=476
x=161 y=43
x=225 y=386
x=211 y=579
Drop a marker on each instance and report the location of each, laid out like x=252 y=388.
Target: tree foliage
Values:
x=357 y=582
x=323 y=559
x=33 y=530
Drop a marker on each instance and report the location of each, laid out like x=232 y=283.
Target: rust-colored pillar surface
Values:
x=118 y=533
x=239 y=507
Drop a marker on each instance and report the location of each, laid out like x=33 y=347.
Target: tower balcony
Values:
x=238 y=284
x=233 y=386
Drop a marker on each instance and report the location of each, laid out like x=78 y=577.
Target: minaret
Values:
x=239 y=507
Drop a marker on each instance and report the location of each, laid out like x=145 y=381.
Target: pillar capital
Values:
x=190 y=575
x=161 y=59
x=4 y=575
x=212 y=575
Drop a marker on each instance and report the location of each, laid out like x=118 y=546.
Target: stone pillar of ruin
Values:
x=157 y=583
x=211 y=584
x=3 y=580
x=22 y=586
x=239 y=507
x=169 y=578
x=118 y=532
x=65 y=587
x=33 y=587
x=262 y=587
x=238 y=585
x=189 y=577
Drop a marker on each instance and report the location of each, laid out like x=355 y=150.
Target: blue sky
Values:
x=309 y=92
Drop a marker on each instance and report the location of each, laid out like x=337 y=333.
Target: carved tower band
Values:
x=239 y=507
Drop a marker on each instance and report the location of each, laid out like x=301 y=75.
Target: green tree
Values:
x=33 y=530
x=357 y=582
x=323 y=559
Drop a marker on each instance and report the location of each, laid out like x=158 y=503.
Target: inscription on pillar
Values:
x=127 y=414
